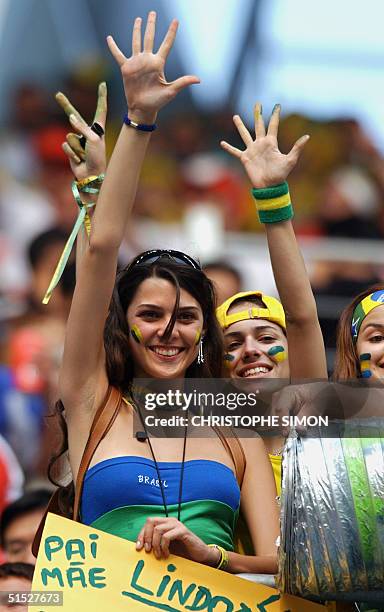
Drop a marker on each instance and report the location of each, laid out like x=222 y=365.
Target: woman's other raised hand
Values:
x=146 y=88
x=263 y=162
x=90 y=160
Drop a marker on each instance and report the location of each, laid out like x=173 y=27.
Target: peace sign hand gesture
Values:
x=146 y=88
x=91 y=160
x=264 y=163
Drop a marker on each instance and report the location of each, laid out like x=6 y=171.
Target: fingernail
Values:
x=138 y=545
x=73 y=118
x=276 y=107
x=147 y=547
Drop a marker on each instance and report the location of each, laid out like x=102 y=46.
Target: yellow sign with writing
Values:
x=99 y=572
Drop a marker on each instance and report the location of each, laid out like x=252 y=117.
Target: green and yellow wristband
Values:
x=273 y=203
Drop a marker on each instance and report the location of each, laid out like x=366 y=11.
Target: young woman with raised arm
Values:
x=157 y=321
x=263 y=338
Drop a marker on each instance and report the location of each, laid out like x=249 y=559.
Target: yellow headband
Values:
x=272 y=312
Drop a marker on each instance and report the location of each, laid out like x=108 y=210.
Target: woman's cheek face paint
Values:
x=365 y=365
x=136 y=334
x=228 y=358
x=197 y=337
x=278 y=353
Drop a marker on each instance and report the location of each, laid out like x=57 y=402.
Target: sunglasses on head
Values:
x=150 y=257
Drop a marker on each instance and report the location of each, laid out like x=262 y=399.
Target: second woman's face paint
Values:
x=365 y=365
x=228 y=358
x=278 y=353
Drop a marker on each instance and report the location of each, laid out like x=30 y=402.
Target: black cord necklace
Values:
x=157 y=465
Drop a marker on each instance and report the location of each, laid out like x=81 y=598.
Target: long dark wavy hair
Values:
x=119 y=363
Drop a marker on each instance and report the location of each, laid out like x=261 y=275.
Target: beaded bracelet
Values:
x=142 y=127
x=224 y=557
x=273 y=203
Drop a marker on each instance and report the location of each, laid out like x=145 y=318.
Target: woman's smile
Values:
x=168 y=353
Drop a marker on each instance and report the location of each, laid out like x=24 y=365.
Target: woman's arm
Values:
x=266 y=167
x=146 y=91
x=86 y=161
x=261 y=512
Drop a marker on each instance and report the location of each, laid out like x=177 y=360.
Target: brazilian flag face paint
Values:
x=136 y=334
x=278 y=353
x=197 y=337
x=365 y=365
x=228 y=358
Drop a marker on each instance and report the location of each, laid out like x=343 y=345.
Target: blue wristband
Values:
x=143 y=127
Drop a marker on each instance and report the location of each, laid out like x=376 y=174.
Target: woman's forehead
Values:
x=248 y=325
x=155 y=290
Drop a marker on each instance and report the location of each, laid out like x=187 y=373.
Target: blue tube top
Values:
x=132 y=481
x=119 y=494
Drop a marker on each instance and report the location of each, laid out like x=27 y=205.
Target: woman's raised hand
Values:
x=264 y=163
x=91 y=160
x=145 y=85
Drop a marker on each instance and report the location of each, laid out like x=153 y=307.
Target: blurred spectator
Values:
x=24 y=213
x=19 y=523
x=30 y=112
x=35 y=339
x=21 y=423
x=32 y=346
x=350 y=204
x=11 y=476
x=209 y=177
x=334 y=285
x=186 y=135
x=15 y=577
x=43 y=253
x=55 y=176
x=226 y=279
